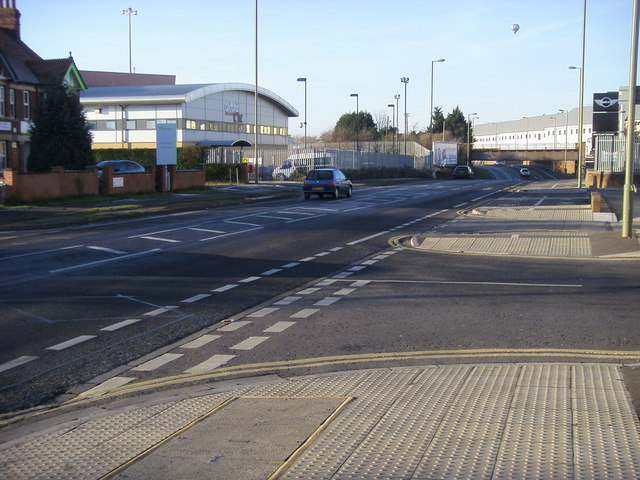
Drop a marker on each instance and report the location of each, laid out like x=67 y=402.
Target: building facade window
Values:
x=3 y=103
x=3 y=154
x=26 y=100
x=131 y=125
x=12 y=103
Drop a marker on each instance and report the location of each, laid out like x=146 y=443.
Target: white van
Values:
x=301 y=162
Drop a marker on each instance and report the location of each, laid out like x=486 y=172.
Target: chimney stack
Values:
x=10 y=17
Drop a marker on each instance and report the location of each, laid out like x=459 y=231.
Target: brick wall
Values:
x=58 y=183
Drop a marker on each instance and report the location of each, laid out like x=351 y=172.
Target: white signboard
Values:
x=117 y=182
x=166 y=138
x=445 y=154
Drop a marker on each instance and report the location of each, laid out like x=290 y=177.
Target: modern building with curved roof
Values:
x=206 y=114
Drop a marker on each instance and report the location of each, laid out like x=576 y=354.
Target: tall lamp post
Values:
x=397 y=97
x=555 y=132
x=357 y=122
x=302 y=79
x=431 y=109
x=469 y=136
x=566 y=130
x=580 y=121
x=393 y=127
x=405 y=80
x=130 y=11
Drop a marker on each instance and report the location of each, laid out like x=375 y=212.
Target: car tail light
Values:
x=331 y=184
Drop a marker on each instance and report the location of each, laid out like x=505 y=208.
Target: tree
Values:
x=60 y=136
x=457 y=124
x=438 y=119
x=350 y=123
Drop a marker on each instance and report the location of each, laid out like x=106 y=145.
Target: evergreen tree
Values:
x=438 y=119
x=60 y=135
x=457 y=124
x=362 y=122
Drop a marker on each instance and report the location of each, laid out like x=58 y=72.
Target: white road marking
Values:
x=322 y=254
x=305 y=313
x=381 y=257
x=201 y=341
x=308 y=259
x=271 y=272
x=211 y=364
x=274 y=216
x=357 y=268
x=325 y=302
x=100 y=262
x=119 y=325
x=370 y=262
x=335 y=249
x=157 y=362
x=278 y=327
x=343 y=275
x=308 y=291
x=110 y=384
x=258 y=227
x=72 y=342
x=345 y=291
x=287 y=300
x=159 y=311
x=108 y=250
x=360 y=283
x=263 y=312
x=249 y=279
x=206 y=230
x=326 y=282
x=41 y=252
x=375 y=235
x=225 y=288
x=460 y=205
x=250 y=343
x=16 y=363
x=232 y=327
x=196 y=298
x=291 y=265
x=508 y=284
x=158 y=239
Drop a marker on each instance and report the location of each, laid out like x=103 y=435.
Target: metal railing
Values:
x=610 y=153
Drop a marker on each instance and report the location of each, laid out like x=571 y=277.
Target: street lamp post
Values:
x=405 y=80
x=130 y=11
x=566 y=129
x=357 y=122
x=555 y=132
x=397 y=97
x=580 y=121
x=469 y=137
x=431 y=108
x=393 y=127
x=302 y=79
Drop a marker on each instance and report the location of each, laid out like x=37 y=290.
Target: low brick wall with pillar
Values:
x=58 y=183
x=181 y=179
x=123 y=183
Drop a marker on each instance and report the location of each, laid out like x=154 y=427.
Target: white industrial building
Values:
x=204 y=114
x=555 y=131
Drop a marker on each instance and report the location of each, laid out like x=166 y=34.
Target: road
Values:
x=290 y=281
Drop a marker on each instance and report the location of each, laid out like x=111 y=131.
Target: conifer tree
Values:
x=60 y=135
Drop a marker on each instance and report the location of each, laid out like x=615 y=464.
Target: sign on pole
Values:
x=166 y=140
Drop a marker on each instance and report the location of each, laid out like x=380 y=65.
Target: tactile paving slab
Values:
x=500 y=421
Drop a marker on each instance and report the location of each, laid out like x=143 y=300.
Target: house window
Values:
x=26 y=97
x=3 y=104
x=12 y=103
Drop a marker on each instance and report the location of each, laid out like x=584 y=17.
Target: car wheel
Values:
x=280 y=177
x=349 y=192
x=336 y=194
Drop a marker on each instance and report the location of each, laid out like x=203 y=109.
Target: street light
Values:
x=431 y=110
x=357 y=122
x=302 y=79
x=393 y=126
x=555 y=132
x=405 y=80
x=566 y=129
x=397 y=97
x=580 y=117
x=469 y=137
x=129 y=11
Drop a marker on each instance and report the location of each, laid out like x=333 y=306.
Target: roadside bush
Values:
x=219 y=172
x=188 y=157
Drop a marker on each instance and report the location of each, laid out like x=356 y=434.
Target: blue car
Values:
x=330 y=181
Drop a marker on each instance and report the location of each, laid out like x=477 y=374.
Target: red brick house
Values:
x=24 y=76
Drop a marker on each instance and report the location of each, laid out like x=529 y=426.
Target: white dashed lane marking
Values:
x=119 y=325
x=287 y=300
x=225 y=288
x=196 y=298
x=263 y=312
x=211 y=364
x=278 y=327
x=17 y=362
x=250 y=343
x=325 y=302
x=200 y=341
x=159 y=311
x=232 y=327
x=157 y=362
x=273 y=271
x=305 y=313
x=72 y=342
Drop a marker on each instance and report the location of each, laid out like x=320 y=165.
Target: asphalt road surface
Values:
x=246 y=291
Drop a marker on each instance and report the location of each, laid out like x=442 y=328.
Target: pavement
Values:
x=485 y=421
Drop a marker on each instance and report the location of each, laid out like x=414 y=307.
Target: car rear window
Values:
x=320 y=175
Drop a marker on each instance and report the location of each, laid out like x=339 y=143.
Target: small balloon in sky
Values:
x=514 y=28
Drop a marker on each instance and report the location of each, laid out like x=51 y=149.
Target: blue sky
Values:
x=355 y=46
